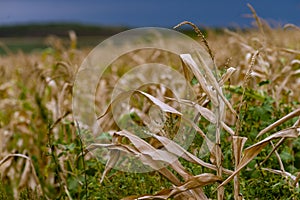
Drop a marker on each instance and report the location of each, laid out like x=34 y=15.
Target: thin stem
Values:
x=83 y=161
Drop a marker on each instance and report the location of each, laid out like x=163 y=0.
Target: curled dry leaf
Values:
x=283 y=173
x=279 y=122
x=237 y=148
x=227 y=128
x=252 y=151
x=295 y=62
x=213 y=154
x=188 y=60
x=147 y=160
x=34 y=184
x=164 y=107
x=292 y=51
x=146 y=149
x=195 y=182
x=25 y=175
x=214 y=83
x=291 y=26
x=157 y=159
x=210 y=116
x=192 y=194
x=206 y=113
x=274 y=150
x=181 y=152
x=227 y=75
x=174 y=151
x=114 y=156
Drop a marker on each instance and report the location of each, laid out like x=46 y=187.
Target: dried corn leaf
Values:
x=25 y=175
x=280 y=121
x=195 y=182
x=146 y=149
x=147 y=160
x=155 y=164
x=237 y=146
x=252 y=151
x=187 y=73
x=26 y=172
x=292 y=51
x=189 y=62
x=164 y=107
x=177 y=166
x=227 y=128
x=283 y=173
x=193 y=194
x=213 y=152
x=150 y=157
x=295 y=62
x=176 y=149
x=206 y=113
x=215 y=83
x=6 y=158
x=114 y=156
x=158 y=158
x=227 y=75
x=274 y=150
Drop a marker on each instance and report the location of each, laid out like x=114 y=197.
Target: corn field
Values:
x=245 y=142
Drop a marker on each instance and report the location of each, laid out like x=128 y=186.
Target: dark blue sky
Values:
x=139 y=13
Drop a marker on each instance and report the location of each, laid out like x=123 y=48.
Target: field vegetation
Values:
x=255 y=153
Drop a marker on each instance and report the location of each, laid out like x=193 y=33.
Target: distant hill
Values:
x=58 y=29
x=29 y=37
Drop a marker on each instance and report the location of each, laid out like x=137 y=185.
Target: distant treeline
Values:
x=58 y=29
x=62 y=29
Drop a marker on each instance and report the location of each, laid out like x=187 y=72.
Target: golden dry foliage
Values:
x=35 y=100
x=35 y=97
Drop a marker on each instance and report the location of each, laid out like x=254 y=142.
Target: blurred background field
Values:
x=33 y=37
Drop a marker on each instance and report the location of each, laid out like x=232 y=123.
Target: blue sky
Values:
x=140 y=13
